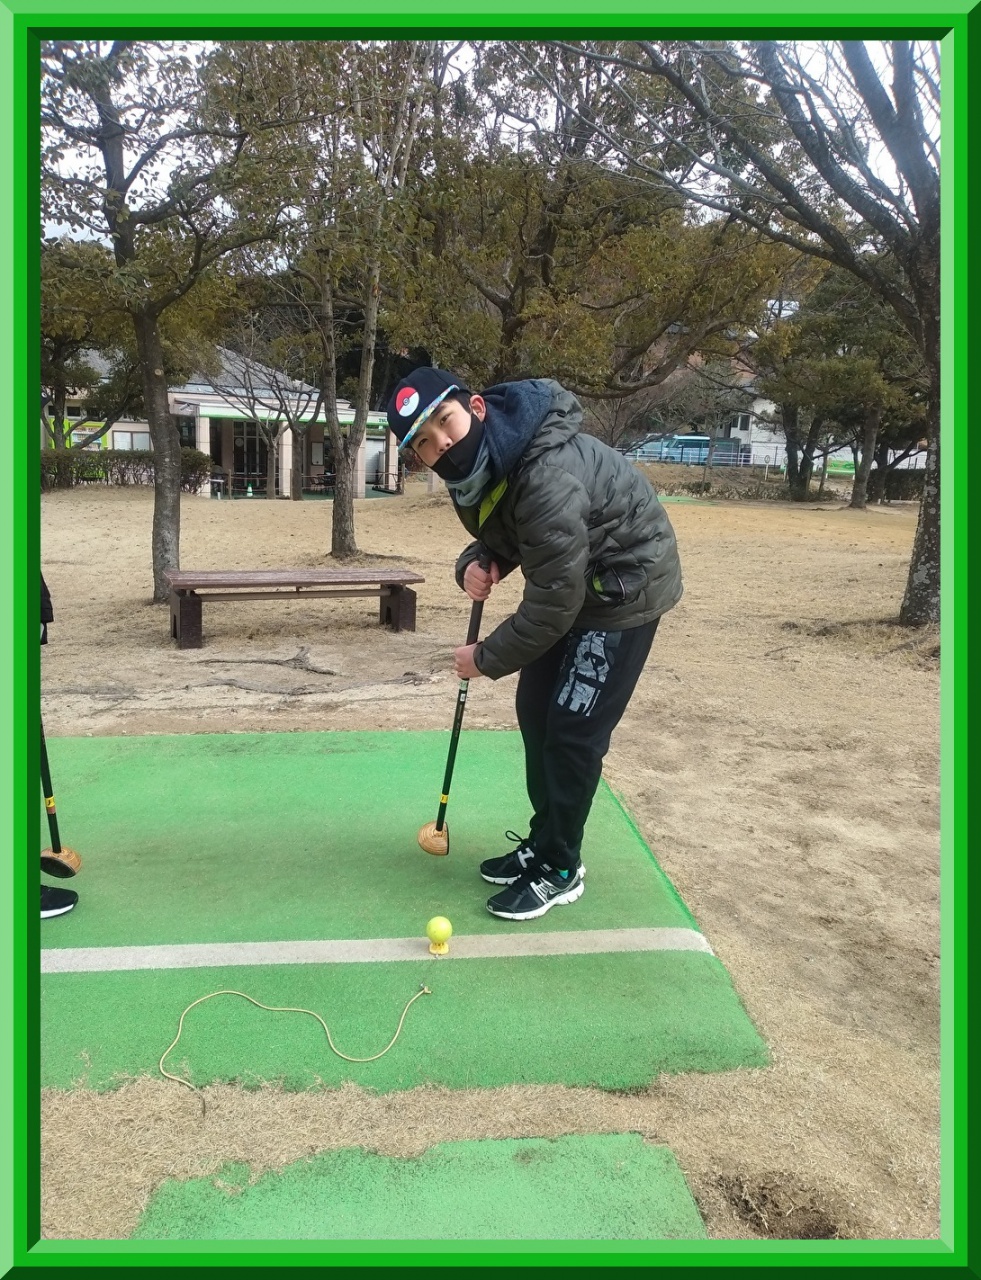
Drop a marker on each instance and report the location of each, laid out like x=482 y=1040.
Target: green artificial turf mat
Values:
x=262 y=837
x=276 y=837
x=596 y=1187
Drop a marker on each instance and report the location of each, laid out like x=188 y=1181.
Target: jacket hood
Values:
x=562 y=420
x=514 y=413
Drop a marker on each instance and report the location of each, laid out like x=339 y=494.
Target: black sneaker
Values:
x=514 y=864
x=536 y=892
x=507 y=869
x=55 y=901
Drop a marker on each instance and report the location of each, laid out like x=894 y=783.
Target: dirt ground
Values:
x=780 y=756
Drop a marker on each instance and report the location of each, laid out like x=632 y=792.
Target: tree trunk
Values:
x=802 y=487
x=296 y=471
x=800 y=483
x=272 y=463
x=921 y=602
x=58 y=418
x=342 y=541
x=512 y=324
x=790 y=419
x=343 y=544
x=165 y=438
x=824 y=472
x=273 y=438
x=807 y=454
x=708 y=461
x=860 y=484
x=877 y=477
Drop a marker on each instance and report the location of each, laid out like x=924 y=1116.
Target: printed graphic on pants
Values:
x=587 y=675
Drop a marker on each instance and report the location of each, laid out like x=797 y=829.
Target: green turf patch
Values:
x=575 y=1188
x=261 y=837
x=276 y=837
x=614 y=1021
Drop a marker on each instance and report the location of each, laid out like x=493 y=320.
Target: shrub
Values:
x=196 y=468
x=735 y=488
x=57 y=469
x=64 y=468
x=753 y=492
x=904 y=485
x=128 y=466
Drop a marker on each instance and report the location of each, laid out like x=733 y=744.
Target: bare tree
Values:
x=346 y=188
x=618 y=422
x=252 y=378
x=815 y=146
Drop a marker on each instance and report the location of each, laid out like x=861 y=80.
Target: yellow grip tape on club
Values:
x=444 y=799
x=49 y=804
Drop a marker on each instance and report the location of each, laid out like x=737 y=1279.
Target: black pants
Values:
x=569 y=701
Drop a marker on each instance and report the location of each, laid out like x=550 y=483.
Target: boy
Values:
x=600 y=564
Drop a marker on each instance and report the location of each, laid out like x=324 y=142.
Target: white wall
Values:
x=374 y=461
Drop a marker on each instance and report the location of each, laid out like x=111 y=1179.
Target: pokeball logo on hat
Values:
x=407 y=402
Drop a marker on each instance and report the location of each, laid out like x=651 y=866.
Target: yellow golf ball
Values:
x=439 y=930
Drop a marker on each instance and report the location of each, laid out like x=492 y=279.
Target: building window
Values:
x=78 y=436
x=739 y=423
x=131 y=440
x=188 y=431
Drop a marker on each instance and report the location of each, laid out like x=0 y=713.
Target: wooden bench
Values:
x=189 y=588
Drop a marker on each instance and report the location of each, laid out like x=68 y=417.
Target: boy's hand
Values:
x=463 y=663
x=477 y=582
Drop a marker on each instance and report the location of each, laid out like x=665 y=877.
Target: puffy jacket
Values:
x=595 y=546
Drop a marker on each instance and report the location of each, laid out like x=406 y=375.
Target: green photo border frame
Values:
x=22 y=24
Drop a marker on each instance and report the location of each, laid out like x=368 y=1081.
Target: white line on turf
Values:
x=474 y=946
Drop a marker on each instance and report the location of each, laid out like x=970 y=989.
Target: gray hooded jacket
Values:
x=594 y=544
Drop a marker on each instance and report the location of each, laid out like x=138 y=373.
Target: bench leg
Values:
x=185 y=619
x=398 y=609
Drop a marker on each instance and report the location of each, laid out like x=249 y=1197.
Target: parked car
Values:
x=646 y=450
x=687 y=448
x=690 y=450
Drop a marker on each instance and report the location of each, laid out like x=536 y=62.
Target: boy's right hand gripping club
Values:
x=434 y=837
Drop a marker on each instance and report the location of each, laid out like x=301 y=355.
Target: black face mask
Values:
x=457 y=462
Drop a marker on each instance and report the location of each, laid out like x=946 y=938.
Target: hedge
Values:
x=65 y=468
x=904 y=485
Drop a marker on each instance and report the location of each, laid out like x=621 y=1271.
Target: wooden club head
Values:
x=435 y=841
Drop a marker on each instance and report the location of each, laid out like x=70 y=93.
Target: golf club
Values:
x=59 y=860
x=435 y=836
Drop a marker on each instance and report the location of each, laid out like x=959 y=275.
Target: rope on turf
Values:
x=423 y=991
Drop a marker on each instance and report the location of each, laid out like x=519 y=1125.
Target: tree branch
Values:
x=898 y=130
